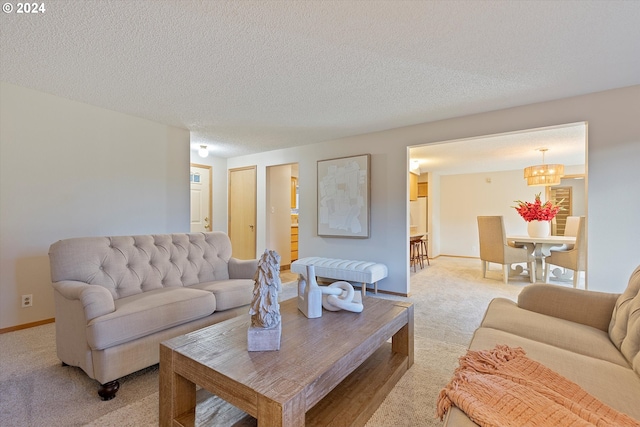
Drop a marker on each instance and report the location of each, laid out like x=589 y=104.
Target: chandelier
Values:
x=543 y=174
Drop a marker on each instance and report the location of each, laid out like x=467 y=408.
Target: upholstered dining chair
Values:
x=574 y=259
x=571 y=226
x=570 y=229
x=494 y=248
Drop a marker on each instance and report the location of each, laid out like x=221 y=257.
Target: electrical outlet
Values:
x=27 y=300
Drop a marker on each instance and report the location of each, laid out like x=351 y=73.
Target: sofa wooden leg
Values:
x=108 y=390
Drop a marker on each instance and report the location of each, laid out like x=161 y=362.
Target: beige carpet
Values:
x=450 y=297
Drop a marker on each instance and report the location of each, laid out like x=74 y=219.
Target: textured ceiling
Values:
x=251 y=76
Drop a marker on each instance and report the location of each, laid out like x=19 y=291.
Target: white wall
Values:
x=69 y=169
x=464 y=197
x=433 y=215
x=578 y=195
x=219 y=189
x=418 y=215
x=613 y=153
x=384 y=204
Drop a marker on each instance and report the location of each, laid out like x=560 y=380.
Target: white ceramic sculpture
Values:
x=345 y=298
x=309 y=294
x=266 y=326
x=337 y=296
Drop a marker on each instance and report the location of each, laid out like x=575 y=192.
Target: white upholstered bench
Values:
x=343 y=269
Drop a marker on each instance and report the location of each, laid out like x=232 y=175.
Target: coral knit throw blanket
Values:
x=503 y=387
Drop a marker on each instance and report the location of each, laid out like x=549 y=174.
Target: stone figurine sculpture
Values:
x=266 y=326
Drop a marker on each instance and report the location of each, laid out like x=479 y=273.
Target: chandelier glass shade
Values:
x=543 y=174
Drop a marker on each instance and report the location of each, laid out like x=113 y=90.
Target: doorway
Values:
x=242 y=212
x=282 y=212
x=483 y=176
x=201 y=206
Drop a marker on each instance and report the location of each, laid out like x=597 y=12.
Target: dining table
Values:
x=540 y=247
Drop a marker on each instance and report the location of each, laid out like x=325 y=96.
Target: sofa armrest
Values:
x=242 y=269
x=586 y=307
x=96 y=300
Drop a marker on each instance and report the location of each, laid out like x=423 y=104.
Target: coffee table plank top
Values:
x=315 y=355
x=304 y=354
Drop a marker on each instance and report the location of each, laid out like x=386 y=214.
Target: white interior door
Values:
x=200 y=198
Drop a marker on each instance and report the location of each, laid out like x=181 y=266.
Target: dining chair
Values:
x=573 y=259
x=571 y=226
x=495 y=249
x=570 y=229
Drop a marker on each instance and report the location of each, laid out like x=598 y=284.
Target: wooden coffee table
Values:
x=333 y=370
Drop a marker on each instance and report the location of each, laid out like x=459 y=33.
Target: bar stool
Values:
x=415 y=252
x=423 y=250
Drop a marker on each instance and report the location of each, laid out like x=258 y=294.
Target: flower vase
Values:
x=537 y=228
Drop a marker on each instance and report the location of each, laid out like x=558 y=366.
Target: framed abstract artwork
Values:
x=343 y=196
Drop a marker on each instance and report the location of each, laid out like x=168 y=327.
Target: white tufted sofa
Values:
x=117 y=298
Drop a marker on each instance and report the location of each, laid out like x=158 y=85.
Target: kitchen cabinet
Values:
x=413 y=186
x=294 y=243
x=423 y=189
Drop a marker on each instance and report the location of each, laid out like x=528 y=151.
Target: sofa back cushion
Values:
x=624 y=329
x=129 y=265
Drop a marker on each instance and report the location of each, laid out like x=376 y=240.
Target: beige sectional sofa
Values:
x=117 y=298
x=591 y=338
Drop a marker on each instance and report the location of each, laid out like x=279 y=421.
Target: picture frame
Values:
x=344 y=196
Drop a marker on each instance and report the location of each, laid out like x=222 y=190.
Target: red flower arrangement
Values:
x=537 y=210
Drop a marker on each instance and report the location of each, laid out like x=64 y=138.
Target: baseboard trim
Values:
x=456 y=256
x=398 y=294
x=27 y=325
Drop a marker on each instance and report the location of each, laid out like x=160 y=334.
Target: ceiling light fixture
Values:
x=203 y=151
x=414 y=166
x=543 y=174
